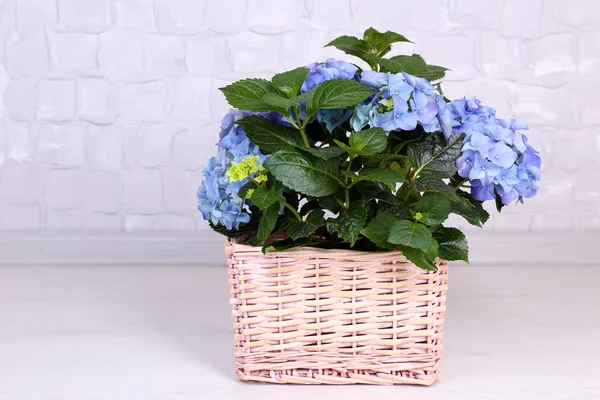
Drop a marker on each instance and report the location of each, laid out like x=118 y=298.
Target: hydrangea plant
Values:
x=332 y=155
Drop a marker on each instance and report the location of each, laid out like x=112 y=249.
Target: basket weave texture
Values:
x=316 y=316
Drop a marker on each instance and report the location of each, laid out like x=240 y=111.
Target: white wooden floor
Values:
x=145 y=333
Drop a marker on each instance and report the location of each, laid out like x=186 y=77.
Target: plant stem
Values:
x=289 y=207
x=304 y=138
x=346 y=187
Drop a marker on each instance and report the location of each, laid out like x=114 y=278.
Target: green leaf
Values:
x=410 y=234
x=366 y=143
x=388 y=177
x=267 y=222
x=418 y=257
x=349 y=223
x=470 y=209
x=413 y=64
x=248 y=94
x=325 y=153
x=382 y=41
x=434 y=209
x=263 y=197
x=352 y=45
x=407 y=194
x=433 y=73
x=371 y=190
x=281 y=103
x=285 y=245
x=313 y=221
x=269 y=135
x=230 y=233
x=379 y=229
x=243 y=192
x=453 y=244
x=432 y=181
x=337 y=93
x=290 y=82
x=304 y=173
x=396 y=162
x=436 y=154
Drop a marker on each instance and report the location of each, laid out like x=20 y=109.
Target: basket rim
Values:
x=304 y=251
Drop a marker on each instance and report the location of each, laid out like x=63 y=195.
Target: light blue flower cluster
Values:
x=321 y=72
x=402 y=101
x=495 y=156
x=218 y=198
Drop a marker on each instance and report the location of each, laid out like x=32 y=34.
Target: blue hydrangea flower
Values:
x=218 y=198
x=321 y=72
x=402 y=102
x=495 y=155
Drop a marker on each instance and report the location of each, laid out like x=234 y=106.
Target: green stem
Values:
x=304 y=138
x=291 y=121
x=289 y=207
x=346 y=187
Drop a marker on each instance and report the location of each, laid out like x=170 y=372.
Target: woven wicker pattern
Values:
x=317 y=316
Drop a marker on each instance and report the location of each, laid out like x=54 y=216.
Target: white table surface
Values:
x=145 y=333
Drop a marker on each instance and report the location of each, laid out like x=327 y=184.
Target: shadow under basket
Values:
x=317 y=316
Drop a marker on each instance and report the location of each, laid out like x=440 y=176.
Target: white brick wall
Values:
x=109 y=108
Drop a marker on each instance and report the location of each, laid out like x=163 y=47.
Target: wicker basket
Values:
x=315 y=316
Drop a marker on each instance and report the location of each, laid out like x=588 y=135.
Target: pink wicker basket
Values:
x=316 y=316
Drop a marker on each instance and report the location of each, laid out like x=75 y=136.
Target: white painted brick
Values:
x=97 y=100
x=122 y=54
x=493 y=93
x=556 y=191
x=426 y=15
x=35 y=15
x=251 y=52
x=266 y=16
x=102 y=222
x=21 y=183
x=104 y=192
x=218 y=104
x=19 y=218
x=165 y=55
x=587 y=223
x=192 y=147
x=478 y=14
x=206 y=54
x=587 y=95
x=135 y=14
x=552 y=61
x=104 y=148
x=514 y=217
x=586 y=186
x=27 y=56
x=64 y=220
x=551 y=222
x=60 y=145
x=143 y=101
x=85 y=15
x=56 y=100
x=574 y=155
x=65 y=189
x=320 y=13
x=542 y=106
x=191 y=98
x=179 y=16
x=521 y=19
x=73 y=51
x=149 y=145
x=231 y=19
x=500 y=57
x=18 y=142
x=161 y=222
x=143 y=191
x=456 y=52
x=20 y=99
x=589 y=52
x=577 y=14
x=179 y=190
x=300 y=47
